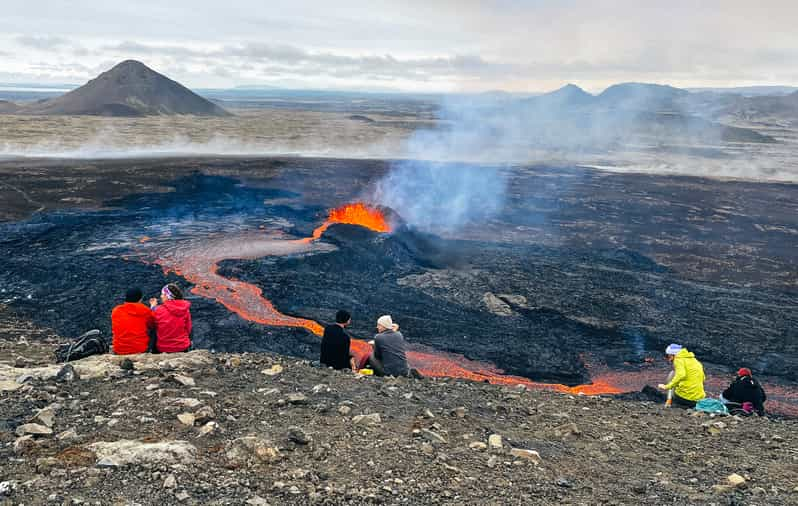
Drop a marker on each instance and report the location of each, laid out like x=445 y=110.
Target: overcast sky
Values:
x=432 y=45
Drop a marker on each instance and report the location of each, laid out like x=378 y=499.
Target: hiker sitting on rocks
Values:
x=131 y=324
x=688 y=377
x=335 y=343
x=172 y=321
x=388 y=357
x=746 y=392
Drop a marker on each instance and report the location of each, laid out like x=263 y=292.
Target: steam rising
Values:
x=434 y=193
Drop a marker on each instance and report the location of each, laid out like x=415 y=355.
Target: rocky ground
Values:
x=202 y=428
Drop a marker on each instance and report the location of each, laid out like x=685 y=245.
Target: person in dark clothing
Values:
x=745 y=389
x=388 y=357
x=335 y=351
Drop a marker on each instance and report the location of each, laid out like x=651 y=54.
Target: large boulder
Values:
x=127 y=452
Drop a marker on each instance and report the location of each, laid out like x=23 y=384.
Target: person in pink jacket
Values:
x=172 y=321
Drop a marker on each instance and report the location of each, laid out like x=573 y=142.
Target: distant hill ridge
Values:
x=129 y=89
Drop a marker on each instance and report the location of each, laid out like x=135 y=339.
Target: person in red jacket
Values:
x=131 y=324
x=172 y=321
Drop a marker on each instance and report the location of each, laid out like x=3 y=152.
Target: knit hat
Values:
x=744 y=371
x=673 y=349
x=385 y=321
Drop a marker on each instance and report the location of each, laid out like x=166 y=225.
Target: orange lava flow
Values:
x=197 y=262
x=356 y=213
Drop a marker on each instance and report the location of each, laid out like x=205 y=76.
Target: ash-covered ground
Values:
x=580 y=269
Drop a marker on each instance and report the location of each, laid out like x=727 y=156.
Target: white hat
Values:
x=385 y=321
x=673 y=349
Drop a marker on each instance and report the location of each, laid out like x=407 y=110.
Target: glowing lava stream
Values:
x=198 y=264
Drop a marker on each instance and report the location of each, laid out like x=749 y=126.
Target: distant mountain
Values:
x=642 y=96
x=129 y=89
x=569 y=95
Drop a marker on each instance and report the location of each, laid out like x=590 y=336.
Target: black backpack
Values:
x=90 y=343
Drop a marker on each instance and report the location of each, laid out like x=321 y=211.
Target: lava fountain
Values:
x=356 y=213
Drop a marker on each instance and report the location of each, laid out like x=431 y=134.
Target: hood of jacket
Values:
x=178 y=308
x=683 y=353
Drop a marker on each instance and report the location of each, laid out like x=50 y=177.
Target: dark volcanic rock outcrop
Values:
x=129 y=89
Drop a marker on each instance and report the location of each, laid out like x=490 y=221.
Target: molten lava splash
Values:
x=357 y=213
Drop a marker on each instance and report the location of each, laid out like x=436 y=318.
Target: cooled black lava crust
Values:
x=587 y=265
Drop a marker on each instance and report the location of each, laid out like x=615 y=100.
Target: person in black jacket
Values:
x=744 y=389
x=335 y=351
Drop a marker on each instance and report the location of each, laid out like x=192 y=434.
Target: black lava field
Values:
x=582 y=274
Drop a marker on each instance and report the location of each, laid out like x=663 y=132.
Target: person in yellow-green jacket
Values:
x=688 y=377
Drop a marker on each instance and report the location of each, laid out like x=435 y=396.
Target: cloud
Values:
x=468 y=44
x=41 y=42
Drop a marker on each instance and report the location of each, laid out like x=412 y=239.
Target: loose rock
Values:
x=495 y=442
x=125 y=452
x=299 y=436
x=34 y=428
x=372 y=419
x=273 y=370
x=530 y=455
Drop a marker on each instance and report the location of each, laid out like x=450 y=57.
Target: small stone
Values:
x=188 y=402
x=204 y=414
x=67 y=435
x=719 y=425
x=7 y=488
x=530 y=455
x=182 y=496
x=735 y=480
x=562 y=482
x=459 y=412
x=299 y=436
x=320 y=389
x=67 y=374
x=273 y=370
x=492 y=461
x=568 y=430
x=427 y=449
x=344 y=410
x=234 y=362
x=208 y=428
x=186 y=419
x=34 y=428
x=433 y=437
x=251 y=449
x=170 y=481
x=495 y=442
x=478 y=446
x=127 y=365
x=186 y=381
x=297 y=398
x=371 y=419
x=24 y=444
x=46 y=416
x=428 y=414
x=257 y=501
x=107 y=462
